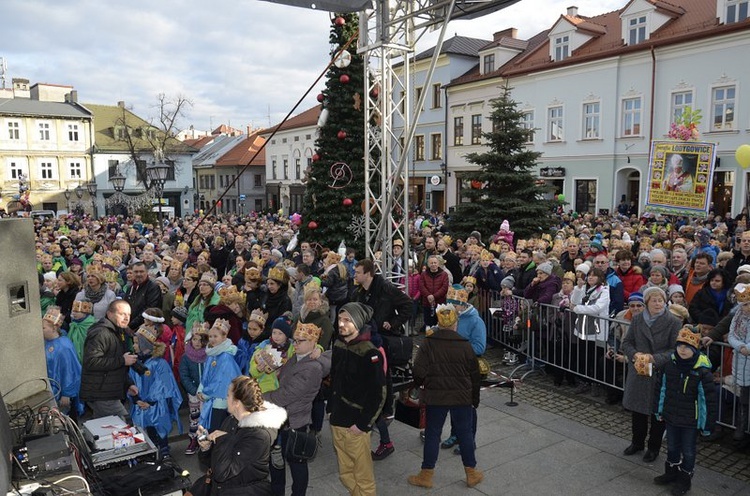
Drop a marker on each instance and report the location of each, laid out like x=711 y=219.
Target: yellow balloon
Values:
x=743 y=156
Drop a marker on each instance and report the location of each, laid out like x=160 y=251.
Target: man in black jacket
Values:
x=391 y=307
x=143 y=294
x=104 y=377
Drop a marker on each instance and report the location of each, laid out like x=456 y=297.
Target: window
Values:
x=527 y=122
x=74 y=170
x=437 y=101
x=680 y=101
x=586 y=195
x=45 y=169
x=437 y=146
x=458 y=131
x=283 y=140
x=402 y=103
x=202 y=181
x=419 y=147
x=555 y=126
x=72 y=132
x=16 y=170
x=591 y=117
x=562 y=48
x=211 y=182
x=296 y=138
x=631 y=117
x=297 y=168
x=44 y=131
x=113 y=168
x=273 y=141
x=308 y=136
x=14 y=131
x=722 y=108
x=221 y=181
x=636 y=30
x=489 y=63
x=273 y=168
x=121 y=132
x=257 y=180
x=286 y=168
x=417 y=95
x=736 y=10
x=476 y=129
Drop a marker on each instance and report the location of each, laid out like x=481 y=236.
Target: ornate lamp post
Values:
x=118 y=183
x=91 y=186
x=66 y=193
x=157 y=176
x=79 y=194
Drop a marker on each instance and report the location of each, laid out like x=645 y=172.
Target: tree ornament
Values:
x=357 y=102
x=341 y=135
x=323 y=118
x=357 y=226
x=476 y=184
x=321 y=97
x=341 y=174
x=347 y=202
x=315 y=157
x=340 y=21
x=343 y=59
x=344 y=78
x=312 y=225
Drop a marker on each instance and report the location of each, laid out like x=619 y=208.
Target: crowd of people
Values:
x=251 y=322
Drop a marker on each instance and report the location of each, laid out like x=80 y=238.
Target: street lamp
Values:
x=118 y=182
x=92 y=187
x=79 y=194
x=444 y=169
x=66 y=193
x=157 y=176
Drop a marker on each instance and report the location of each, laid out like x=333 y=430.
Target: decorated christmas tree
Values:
x=332 y=209
x=504 y=186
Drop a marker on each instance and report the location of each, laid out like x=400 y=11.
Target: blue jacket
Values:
x=688 y=400
x=472 y=327
x=616 y=292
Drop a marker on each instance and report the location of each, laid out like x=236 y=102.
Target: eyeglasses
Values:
x=204 y=283
x=635 y=305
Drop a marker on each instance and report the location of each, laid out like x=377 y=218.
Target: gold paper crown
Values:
x=229 y=295
x=310 y=332
x=200 y=328
x=110 y=276
x=147 y=333
x=54 y=316
x=221 y=325
x=183 y=247
x=191 y=273
x=687 y=336
x=253 y=274
x=446 y=316
x=310 y=288
x=46 y=256
x=96 y=271
x=110 y=260
x=279 y=275
x=471 y=249
x=570 y=276
x=742 y=292
x=469 y=280
x=209 y=278
x=258 y=316
x=91 y=244
x=83 y=306
x=457 y=294
x=447 y=240
x=332 y=258
x=486 y=256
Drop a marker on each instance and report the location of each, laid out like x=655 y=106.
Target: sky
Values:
x=241 y=62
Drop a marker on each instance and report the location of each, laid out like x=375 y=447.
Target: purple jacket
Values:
x=544 y=291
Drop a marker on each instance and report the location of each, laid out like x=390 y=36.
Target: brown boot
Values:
x=423 y=478
x=473 y=476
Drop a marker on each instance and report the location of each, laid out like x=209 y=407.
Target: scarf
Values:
x=740 y=324
x=685 y=365
x=225 y=346
x=650 y=319
x=197 y=356
x=589 y=293
x=94 y=296
x=698 y=280
x=720 y=297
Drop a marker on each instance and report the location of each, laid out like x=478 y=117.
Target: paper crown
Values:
x=200 y=328
x=83 y=306
x=229 y=295
x=147 y=333
x=570 y=276
x=742 y=292
x=469 y=280
x=253 y=274
x=221 y=325
x=687 y=336
x=110 y=276
x=191 y=273
x=457 y=294
x=96 y=271
x=258 y=316
x=54 y=316
x=209 y=278
x=446 y=316
x=310 y=332
x=183 y=247
x=279 y=275
x=486 y=256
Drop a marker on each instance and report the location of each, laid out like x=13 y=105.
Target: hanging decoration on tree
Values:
x=339 y=21
x=343 y=59
x=323 y=118
x=315 y=157
x=357 y=226
x=357 y=102
x=312 y=225
x=341 y=135
x=321 y=97
x=347 y=202
x=341 y=175
x=344 y=79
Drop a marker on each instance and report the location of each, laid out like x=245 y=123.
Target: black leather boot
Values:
x=683 y=483
x=669 y=475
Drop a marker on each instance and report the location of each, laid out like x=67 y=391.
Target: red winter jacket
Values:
x=435 y=284
x=632 y=280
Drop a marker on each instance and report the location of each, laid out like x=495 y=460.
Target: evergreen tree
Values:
x=335 y=182
x=504 y=187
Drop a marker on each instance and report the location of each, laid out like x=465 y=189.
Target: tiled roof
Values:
x=307 y=118
x=199 y=143
x=245 y=153
x=458 y=45
x=29 y=107
x=224 y=129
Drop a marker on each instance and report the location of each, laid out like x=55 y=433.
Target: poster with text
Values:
x=679 y=177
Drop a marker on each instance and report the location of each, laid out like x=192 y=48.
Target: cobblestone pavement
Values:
x=539 y=390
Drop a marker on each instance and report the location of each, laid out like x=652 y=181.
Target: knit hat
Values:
x=584 y=267
x=649 y=293
x=635 y=297
x=276 y=253
x=457 y=295
x=180 y=313
x=743 y=268
x=679 y=311
x=209 y=278
x=309 y=332
x=508 y=282
x=478 y=236
x=597 y=242
x=687 y=337
x=674 y=289
x=704 y=236
x=545 y=267
x=284 y=325
x=446 y=316
x=360 y=313
x=164 y=281
x=709 y=317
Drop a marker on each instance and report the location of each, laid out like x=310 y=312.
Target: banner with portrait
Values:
x=679 y=177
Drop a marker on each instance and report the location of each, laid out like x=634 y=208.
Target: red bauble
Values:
x=312 y=225
x=476 y=184
x=347 y=202
x=341 y=135
x=344 y=79
x=321 y=97
x=315 y=157
x=340 y=21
